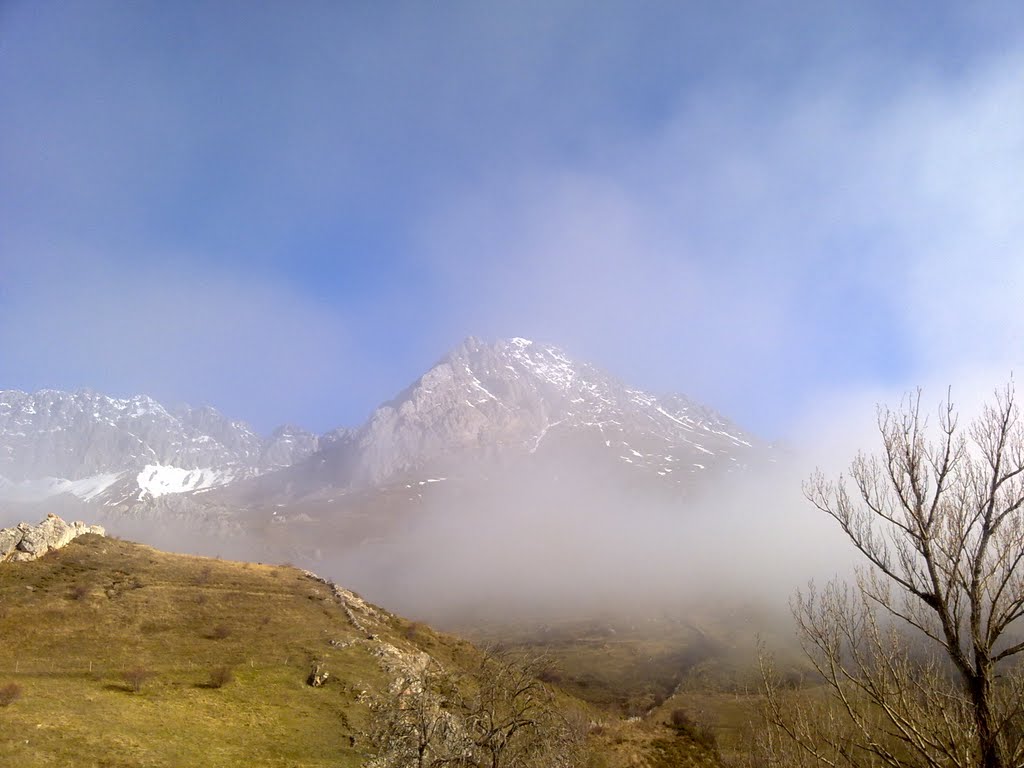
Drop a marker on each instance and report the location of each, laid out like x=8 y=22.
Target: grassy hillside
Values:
x=115 y=654
x=79 y=624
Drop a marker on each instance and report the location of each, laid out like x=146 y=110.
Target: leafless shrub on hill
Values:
x=498 y=715
x=221 y=676
x=136 y=678
x=9 y=694
x=79 y=592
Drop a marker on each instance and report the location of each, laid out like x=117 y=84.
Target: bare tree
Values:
x=512 y=719
x=412 y=722
x=499 y=715
x=920 y=654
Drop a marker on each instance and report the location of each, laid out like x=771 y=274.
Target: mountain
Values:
x=114 y=451
x=487 y=416
x=492 y=402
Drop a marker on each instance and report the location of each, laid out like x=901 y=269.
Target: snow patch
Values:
x=157 y=480
x=85 y=489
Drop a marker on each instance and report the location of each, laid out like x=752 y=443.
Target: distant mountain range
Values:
x=483 y=411
x=113 y=451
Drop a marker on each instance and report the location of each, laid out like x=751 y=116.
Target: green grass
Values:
x=75 y=621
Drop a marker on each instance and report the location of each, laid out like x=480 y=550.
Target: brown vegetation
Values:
x=136 y=678
x=9 y=694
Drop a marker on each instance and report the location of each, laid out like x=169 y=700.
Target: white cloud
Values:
x=762 y=251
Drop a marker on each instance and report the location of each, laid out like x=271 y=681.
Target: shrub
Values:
x=79 y=592
x=135 y=678
x=9 y=694
x=221 y=676
x=681 y=720
x=702 y=733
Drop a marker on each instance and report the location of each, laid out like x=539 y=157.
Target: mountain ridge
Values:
x=482 y=404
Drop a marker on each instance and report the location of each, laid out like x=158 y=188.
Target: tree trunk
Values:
x=980 y=687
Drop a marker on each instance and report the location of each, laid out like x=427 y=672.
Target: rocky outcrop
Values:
x=29 y=542
x=286 y=446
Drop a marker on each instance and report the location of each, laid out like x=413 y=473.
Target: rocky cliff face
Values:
x=29 y=542
x=289 y=444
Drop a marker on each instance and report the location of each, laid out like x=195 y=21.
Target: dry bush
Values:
x=79 y=592
x=9 y=694
x=221 y=676
x=412 y=629
x=220 y=632
x=136 y=678
x=693 y=728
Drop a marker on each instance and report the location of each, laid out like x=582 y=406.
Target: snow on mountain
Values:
x=156 y=480
x=86 y=489
x=82 y=434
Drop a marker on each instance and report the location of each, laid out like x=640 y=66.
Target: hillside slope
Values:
x=117 y=655
x=78 y=622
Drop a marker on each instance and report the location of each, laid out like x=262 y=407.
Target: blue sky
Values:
x=290 y=210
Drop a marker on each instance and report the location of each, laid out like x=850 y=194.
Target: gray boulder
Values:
x=29 y=542
x=10 y=538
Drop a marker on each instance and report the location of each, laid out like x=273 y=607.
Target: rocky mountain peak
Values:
x=482 y=399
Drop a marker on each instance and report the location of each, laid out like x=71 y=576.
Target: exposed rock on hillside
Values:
x=29 y=542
